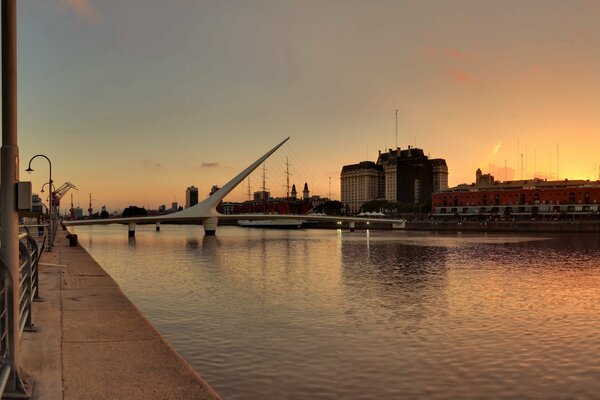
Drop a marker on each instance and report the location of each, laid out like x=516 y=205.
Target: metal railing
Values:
x=30 y=251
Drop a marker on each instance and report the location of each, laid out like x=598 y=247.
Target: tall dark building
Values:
x=191 y=196
x=409 y=175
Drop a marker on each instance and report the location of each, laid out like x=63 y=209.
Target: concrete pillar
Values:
x=351 y=225
x=131 y=229
x=158 y=227
x=210 y=225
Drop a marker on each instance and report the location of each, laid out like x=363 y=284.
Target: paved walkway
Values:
x=92 y=343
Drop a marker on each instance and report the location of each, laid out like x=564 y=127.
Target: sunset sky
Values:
x=134 y=100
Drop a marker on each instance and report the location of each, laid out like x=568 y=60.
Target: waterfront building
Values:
x=162 y=208
x=404 y=176
x=262 y=195
x=191 y=196
x=414 y=173
x=523 y=198
x=174 y=206
x=360 y=183
x=269 y=206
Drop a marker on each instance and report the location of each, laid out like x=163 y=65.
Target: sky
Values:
x=135 y=100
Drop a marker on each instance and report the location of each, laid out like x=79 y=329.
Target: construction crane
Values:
x=59 y=192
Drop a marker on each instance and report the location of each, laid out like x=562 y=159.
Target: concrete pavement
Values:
x=93 y=343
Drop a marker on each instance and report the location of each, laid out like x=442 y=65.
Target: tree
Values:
x=104 y=214
x=134 y=211
x=331 y=207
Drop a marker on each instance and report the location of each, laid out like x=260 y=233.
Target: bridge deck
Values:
x=93 y=343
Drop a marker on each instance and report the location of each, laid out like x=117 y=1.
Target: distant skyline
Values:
x=134 y=101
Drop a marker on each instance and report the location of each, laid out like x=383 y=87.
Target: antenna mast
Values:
x=396 y=128
x=557 y=175
x=534 y=163
x=521 y=166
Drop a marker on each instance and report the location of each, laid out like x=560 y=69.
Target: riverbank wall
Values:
x=506 y=226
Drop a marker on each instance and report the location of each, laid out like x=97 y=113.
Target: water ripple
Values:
x=328 y=315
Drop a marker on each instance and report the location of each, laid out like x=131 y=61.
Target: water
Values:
x=265 y=314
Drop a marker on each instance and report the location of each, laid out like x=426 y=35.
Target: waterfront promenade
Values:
x=93 y=343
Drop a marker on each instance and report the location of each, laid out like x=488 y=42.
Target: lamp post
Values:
x=51 y=194
x=9 y=176
x=50 y=208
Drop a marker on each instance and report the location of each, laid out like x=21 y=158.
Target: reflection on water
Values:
x=367 y=315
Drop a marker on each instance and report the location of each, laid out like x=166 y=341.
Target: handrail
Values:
x=16 y=318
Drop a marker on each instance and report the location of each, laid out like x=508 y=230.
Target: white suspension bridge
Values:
x=206 y=212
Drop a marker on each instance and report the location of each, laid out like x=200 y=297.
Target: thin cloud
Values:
x=460 y=76
x=455 y=53
x=210 y=164
x=152 y=164
x=501 y=173
x=449 y=54
x=84 y=9
x=496 y=148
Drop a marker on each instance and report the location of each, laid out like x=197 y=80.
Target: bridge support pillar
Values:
x=158 y=227
x=351 y=225
x=131 y=231
x=210 y=226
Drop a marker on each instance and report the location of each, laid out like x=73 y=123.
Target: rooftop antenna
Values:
x=90 y=210
x=534 y=163
x=396 y=128
x=521 y=166
x=505 y=170
x=557 y=174
x=526 y=162
x=518 y=152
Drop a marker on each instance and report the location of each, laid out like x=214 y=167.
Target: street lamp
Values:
x=46 y=184
x=50 y=208
x=52 y=192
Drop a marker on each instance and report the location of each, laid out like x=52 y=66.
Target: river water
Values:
x=323 y=314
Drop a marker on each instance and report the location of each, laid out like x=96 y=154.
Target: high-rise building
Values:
x=404 y=176
x=360 y=183
x=191 y=196
x=440 y=175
